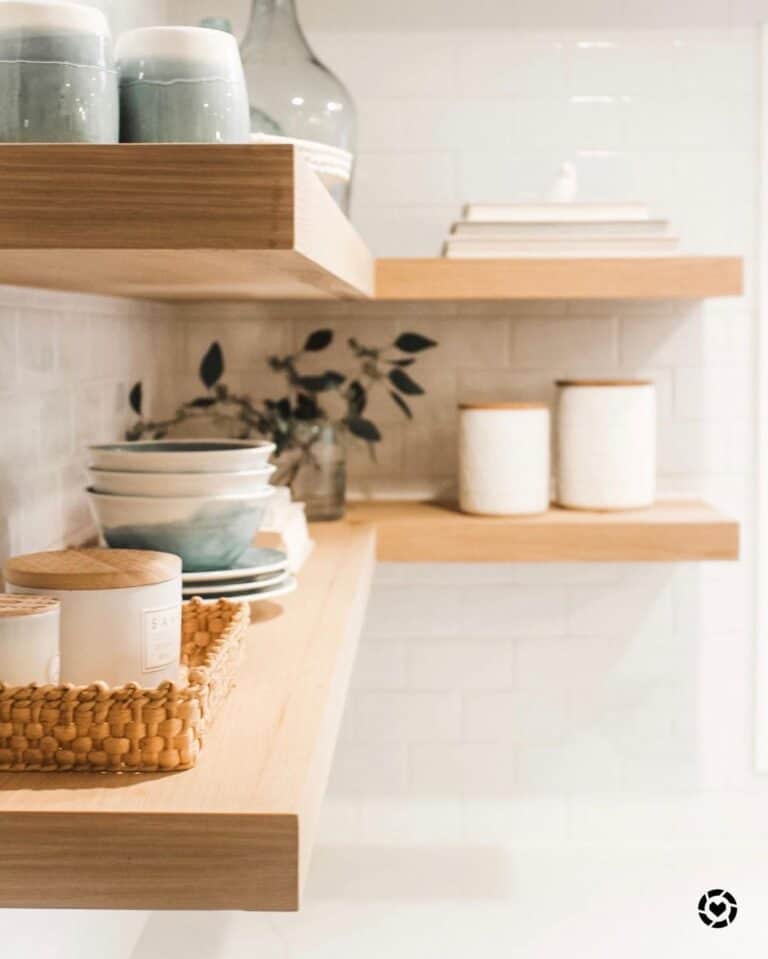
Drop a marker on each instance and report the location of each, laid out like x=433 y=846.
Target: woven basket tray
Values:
x=128 y=729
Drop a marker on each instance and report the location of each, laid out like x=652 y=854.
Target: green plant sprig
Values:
x=281 y=419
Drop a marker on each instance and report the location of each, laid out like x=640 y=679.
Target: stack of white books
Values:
x=498 y=231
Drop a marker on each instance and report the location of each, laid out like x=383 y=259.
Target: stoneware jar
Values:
x=606 y=444
x=504 y=458
x=57 y=74
x=120 y=611
x=181 y=85
x=29 y=640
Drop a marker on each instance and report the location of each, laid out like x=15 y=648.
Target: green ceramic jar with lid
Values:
x=57 y=74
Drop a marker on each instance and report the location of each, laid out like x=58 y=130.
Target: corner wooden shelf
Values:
x=236 y=831
x=175 y=222
x=673 y=277
x=672 y=531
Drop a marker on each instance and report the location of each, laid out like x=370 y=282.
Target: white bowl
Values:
x=207 y=532
x=182 y=456
x=180 y=484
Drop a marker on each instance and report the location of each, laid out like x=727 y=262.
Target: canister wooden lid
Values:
x=13 y=606
x=74 y=569
x=603 y=382
x=502 y=405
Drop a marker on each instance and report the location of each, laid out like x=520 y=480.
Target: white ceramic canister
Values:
x=606 y=444
x=504 y=461
x=29 y=640
x=120 y=611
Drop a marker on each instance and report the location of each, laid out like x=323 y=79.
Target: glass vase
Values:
x=315 y=468
x=292 y=94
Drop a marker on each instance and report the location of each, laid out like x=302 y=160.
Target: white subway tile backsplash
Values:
x=406 y=178
x=510 y=611
x=643 y=602
x=491 y=65
x=468 y=769
x=393 y=717
x=460 y=663
x=417 y=610
x=574 y=343
x=524 y=717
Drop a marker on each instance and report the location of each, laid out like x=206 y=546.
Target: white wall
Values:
x=547 y=683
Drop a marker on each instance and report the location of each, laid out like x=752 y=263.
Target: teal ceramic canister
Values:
x=181 y=85
x=57 y=74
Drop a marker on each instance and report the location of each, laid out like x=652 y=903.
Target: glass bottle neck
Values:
x=275 y=25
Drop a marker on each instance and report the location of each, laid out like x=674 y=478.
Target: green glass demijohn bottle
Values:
x=292 y=94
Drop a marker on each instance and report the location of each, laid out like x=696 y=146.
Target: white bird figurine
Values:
x=566 y=185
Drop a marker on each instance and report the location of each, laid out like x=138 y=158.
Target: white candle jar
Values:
x=606 y=444
x=504 y=462
x=120 y=612
x=29 y=640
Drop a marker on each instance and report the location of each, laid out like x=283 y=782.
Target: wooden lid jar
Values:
x=29 y=640
x=120 y=611
x=504 y=467
x=606 y=448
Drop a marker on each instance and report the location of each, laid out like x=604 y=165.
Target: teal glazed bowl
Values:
x=208 y=533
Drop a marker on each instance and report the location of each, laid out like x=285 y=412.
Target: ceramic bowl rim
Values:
x=156 y=446
x=264 y=493
x=267 y=470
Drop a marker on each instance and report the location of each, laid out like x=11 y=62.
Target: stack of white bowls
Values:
x=204 y=500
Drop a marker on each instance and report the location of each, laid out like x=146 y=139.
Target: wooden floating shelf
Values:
x=175 y=222
x=236 y=831
x=672 y=277
x=673 y=531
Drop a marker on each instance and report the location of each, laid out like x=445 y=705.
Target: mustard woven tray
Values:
x=129 y=729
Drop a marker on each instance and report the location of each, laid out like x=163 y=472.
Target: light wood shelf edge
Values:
x=673 y=277
x=235 y=832
x=670 y=531
x=175 y=222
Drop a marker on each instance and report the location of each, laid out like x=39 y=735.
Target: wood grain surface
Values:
x=687 y=277
x=673 y=531
x=235 y=832
x=175 y=221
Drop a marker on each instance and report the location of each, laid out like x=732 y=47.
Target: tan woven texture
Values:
x=129 y=729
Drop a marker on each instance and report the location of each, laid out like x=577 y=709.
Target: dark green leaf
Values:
x=322 y=383
x=402 y=404
x=160 y=434
x=402 y=363
x=306 y=408
x=404 y=384
x=212 y=367
x=283 y=407
x=357 y=398
x=203 y=402
x=364 y=429
x=413 y=342
x=136 y=398
x=318 y=340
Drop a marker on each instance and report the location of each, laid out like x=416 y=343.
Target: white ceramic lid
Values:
x=177 y=43
x=52 y=14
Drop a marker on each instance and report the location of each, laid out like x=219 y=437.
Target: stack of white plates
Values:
x=259 y=574
x=332 y=164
